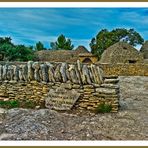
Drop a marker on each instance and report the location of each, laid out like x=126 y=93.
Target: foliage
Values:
x=16 y=104
x=62 y=43
x=9 y=104
x=39 y=46
x=103 y=108
x=105 y=39
x=28 y=103
x=11 y=52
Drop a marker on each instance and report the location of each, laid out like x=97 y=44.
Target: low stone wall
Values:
x=59 y=86
x=138 y=69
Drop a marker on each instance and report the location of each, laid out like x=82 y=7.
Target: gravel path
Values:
x=130 y=123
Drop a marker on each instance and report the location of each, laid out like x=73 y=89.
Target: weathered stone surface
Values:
x=100 y=74
x=61 y=99
x=30 y=71
x=16 y=73
x=72 y=73
x=66 y=85
x=88 y=86
x=86 y=77
x=91 y=74
x=47 y=72
x=5 y=69
x=76 y=86
x=106 y=91
x=78 y=74
x=36 y=67
x=10 y=73
x=50 y=72
x=20 y=73
x=97 y=74
x=63 y=72
x=108 y=85
x=105 y=95
x=44 y=71
x=114 y=81
x=57 y=74
x=1 y=72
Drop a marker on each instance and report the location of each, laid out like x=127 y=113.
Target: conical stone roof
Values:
x=121 y=52
x=144 y=50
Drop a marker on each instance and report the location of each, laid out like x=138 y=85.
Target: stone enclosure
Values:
x=59 y=86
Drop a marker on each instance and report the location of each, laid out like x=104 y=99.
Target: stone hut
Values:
x=121 y=52
x=144 y=50
x=69 y=56
x=81 y=49
x=55 y=55
x=87 y=58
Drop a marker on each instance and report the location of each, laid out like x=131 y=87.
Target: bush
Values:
x=16 y=104
x=103 y=108
x=9 y=104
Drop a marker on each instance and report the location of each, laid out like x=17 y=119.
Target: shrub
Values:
x=103 y=108
x=9 y=104
x=16 y=103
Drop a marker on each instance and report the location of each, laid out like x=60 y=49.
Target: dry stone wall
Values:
x=120 y=69
x=59 y=86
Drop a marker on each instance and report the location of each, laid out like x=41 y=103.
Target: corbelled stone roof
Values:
x=61 y=55
x=121 y=52
x=144 y=50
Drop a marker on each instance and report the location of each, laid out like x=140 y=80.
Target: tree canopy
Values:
x=39 y=46
x=62 y=43
x=105 y=39
x=11 y=52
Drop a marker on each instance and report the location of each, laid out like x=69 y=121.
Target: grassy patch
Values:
x=9 y=104
x=17 y=103
x=103 y=108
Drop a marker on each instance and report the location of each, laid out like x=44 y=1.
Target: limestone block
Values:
x=109 y=85
x=1 y=72
x=66 y=85
x=86 y=77
x=78 y=74
x=75 y=86
x=5 y=69
x=44 y=70
x=61 y=99
x=114 y=81
x=30 y=71
x=50 y=72
x=73 y=75
x=91 y=74
x=106 y=91
x=36 y=67
x=63 y=72
x=10 y=73
x=88 y=86
x=57 y=74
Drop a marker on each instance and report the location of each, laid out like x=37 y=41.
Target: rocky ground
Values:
x=130 y=123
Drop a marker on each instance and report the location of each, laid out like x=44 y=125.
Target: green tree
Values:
x=21 y=53
x=105 y=39
x=39 y=46
x=5 y=46
x=11 y=52
x=62 y=43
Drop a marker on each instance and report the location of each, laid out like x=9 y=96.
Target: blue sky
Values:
x=30 y=25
